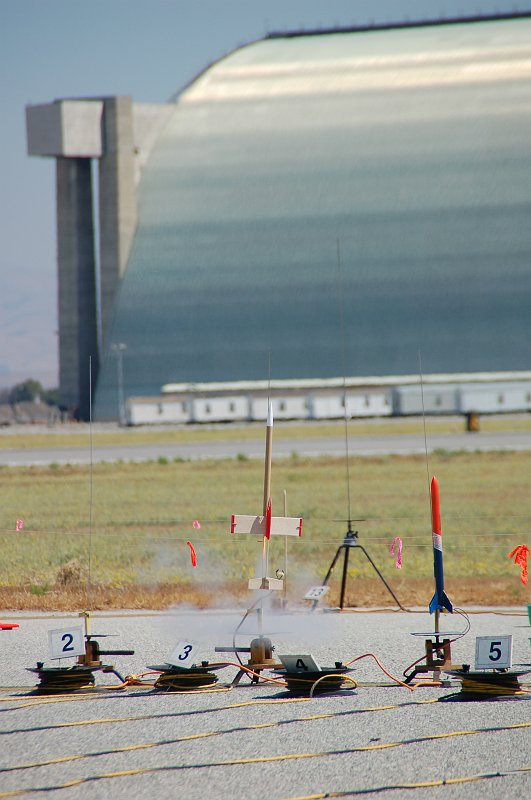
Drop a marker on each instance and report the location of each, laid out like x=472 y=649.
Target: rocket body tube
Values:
x=439 y=601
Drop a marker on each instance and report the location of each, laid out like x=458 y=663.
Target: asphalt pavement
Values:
x=257 y=742
x=374 y=445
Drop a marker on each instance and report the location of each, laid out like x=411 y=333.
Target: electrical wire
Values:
x=207 y=734
x=427 y=784
x=258 y=759
x=389 y=675
x=233 y=706
x=335 y=677
x=139 y=540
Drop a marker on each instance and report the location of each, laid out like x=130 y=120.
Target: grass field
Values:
x=121 y=535
x=77 y=434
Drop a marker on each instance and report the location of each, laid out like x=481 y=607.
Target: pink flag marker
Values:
x=397 y=541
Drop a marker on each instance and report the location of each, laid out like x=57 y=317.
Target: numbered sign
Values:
x=183 y=654
x=316 y=592
x=300 y=663
x=494 y=652
x=66 y=642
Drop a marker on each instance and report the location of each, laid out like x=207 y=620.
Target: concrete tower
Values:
x=74 y=132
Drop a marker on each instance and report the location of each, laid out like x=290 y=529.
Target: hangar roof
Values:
x=336 y=204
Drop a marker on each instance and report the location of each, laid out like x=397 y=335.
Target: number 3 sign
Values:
x=316 y=592
x=494 y=652
x=66 y=642
x=183 y=654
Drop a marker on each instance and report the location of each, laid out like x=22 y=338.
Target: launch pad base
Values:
x=324 y=680
x=480 y=685
x=180 y=679
x=438 y=659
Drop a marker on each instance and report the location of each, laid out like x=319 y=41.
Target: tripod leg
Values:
x=332 y=565
x=397 y=601
x=344 y=579
x=330 y=570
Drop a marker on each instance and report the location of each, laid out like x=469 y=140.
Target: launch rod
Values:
x=285 y=551
x=268 y=448
x=267 y=480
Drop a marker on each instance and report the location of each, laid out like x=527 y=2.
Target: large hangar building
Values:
x=327 y=203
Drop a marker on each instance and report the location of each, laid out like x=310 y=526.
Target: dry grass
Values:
x=361 y=593
x=134 y=532
x=104 y=597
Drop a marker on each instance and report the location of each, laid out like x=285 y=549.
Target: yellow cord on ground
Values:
x=420 y=785
x=272 y=759
x=324 y=677
x=171 y=714
x=259 y=726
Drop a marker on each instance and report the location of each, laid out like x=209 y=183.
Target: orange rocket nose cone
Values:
x=435 y=507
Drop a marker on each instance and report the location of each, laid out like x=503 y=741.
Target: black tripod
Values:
x=351 y=540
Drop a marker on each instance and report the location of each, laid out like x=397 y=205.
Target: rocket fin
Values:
x=445 y=603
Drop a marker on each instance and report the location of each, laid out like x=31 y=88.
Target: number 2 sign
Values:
x=494 y=652
x=66 y=642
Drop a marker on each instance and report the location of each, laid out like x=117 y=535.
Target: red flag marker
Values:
x=193 y=556
x=520 y=554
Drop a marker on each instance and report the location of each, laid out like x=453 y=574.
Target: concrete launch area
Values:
x=257 y=741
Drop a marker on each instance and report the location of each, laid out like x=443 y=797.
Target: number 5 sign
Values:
x=494 y=652
x=66 y=642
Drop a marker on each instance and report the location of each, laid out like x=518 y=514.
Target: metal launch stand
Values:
x=438 y=656
x=264 y=526
x=350 y=541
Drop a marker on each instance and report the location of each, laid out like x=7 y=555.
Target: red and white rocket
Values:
x=266 y=525
x=439 y=600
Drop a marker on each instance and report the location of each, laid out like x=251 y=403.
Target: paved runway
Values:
x=401 y=444
x=256 y=742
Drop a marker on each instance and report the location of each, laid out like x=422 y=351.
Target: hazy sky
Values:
x=148 y=49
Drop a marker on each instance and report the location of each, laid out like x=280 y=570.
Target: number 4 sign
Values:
x=66 y=642
x=494 y=652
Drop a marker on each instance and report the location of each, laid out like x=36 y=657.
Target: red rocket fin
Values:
x=268 y=515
